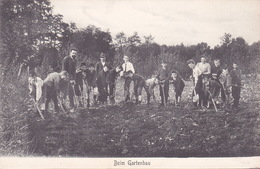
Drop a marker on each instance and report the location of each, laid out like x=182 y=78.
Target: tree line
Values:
x=29 y=28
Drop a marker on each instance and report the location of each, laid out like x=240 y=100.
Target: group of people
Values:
x=96 y=83
x=210 y=82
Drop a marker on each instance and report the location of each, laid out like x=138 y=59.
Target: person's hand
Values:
x=72 y=82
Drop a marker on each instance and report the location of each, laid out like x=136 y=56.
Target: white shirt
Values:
x=128 y=66
x=196 y=72
x=205 y=68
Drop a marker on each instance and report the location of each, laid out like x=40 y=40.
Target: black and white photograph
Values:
x=125 y=83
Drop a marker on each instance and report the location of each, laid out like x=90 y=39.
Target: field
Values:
x=129 y=130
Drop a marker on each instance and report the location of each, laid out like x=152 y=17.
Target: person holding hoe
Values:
x=163 y=77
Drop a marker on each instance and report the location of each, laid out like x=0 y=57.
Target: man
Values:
x=111 y=81
x=52 y=86
x=216 y=72
x=101 y=64
x=235 y=75
x=69 y=65
x=197 y=82
x=90 y=81
x=204 y=67
x=163 y=76
x=102 y=85
x=127 y=66
x=139 y=84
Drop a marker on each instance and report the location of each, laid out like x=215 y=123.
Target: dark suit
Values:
x=99 y=67
x=69 y=65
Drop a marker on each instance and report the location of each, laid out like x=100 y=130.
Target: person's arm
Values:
x=132 y=67
x=208 y=69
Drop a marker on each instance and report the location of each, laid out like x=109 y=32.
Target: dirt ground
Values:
x=129 y=130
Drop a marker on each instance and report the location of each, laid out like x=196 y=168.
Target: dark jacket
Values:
x=163 y=74
x=69 y=65
x=99 y=67
x=111 y=77
x=178 y=84
x=101 y=79
x=235 y=75
x=91 y=78
x=216 y=70
x=79 y=77
x=138 y=81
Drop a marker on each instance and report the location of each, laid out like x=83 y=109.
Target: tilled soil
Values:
x=129 y=130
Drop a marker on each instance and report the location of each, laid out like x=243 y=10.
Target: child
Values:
x=79 y=82
x=163 y=76
x=197 y=82
x=139 y=84
x=178 y=84
x=111 y=80
x=225 y=81
x=90 y=81
x=235 y=75
x=102 y=85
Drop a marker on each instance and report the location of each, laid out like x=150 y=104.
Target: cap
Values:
x=102 y=55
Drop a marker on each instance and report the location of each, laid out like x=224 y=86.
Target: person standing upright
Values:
x=69 y=64
x=236 y=74
x=126 y=67
x=101 y=64
x=163 y=76
x=203 y=66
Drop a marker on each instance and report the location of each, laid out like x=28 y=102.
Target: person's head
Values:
x=156 y=81
x=105 y=68
x=102 y=57
x=235 y=65
x=164 y=64
x=119 y=68
x=83 y=66
x=91 y=67
x=191 y=63
x=126 y=58
x=203 y=59
x=73 y=52
x=64 y=75
x=130 y=73
x=174 y=74
x=217 y=62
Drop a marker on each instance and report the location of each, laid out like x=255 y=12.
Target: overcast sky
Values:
x=171 y=22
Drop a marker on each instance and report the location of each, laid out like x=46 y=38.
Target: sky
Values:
x=170 y=22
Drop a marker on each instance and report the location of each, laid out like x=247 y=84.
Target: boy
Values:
x=111 y=80
x=163 y=76
x=127 y=65
x=101 y=64
x=139 y=84
x=225 y=81
x=178 y=84
x=197 y=82
x=79 y=81
x=90 y=81
x=235 y=75
x=102 y=85
x=53 y=85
